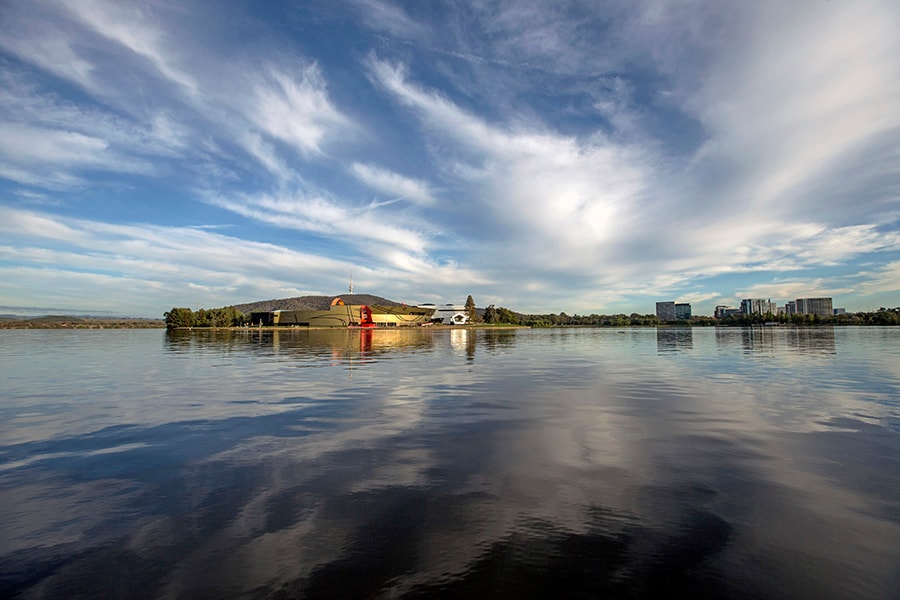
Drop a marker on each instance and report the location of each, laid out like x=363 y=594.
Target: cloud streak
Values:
x=163 y=264
x=394 y=184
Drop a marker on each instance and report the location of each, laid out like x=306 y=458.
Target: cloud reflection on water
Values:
x=512 y=465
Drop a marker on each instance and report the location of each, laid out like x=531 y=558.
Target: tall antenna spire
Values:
x=351 y=282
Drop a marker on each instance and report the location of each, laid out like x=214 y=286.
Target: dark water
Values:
x=735 y=463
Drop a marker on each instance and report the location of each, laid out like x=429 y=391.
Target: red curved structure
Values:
x=365 y=316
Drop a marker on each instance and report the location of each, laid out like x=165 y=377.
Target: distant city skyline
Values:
x=569 y=157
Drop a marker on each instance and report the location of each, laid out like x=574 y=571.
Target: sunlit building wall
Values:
x=757 y=306
x=815 y=306
x=448 y=314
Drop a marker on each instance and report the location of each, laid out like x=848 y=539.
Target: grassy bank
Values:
x=67 y=322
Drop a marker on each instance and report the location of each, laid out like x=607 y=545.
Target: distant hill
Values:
x=312 y=303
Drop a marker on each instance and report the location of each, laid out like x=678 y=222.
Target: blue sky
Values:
x=543 y=156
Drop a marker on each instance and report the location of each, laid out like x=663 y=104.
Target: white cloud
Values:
x=605 y=211
x=266 y=154
x=776 y=246
x=318 y=215
x=783 y=290
x=393 y=184
x=557 y=195
x=133 y=28
x=881 y=281
x=799 y=89
x=45 y=42
x=32 y=145
x=49 y=179
x=698 y=297
x=26 y=105
x=296 y=111
x=837 y=245
x=89 y=261
x=145 y=269
x=382 y=16
x=51 y=158
x=160 y=95
x=36 y=225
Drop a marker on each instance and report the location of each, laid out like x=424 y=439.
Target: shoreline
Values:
x=59 y=322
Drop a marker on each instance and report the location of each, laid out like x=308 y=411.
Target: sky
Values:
x=580 y=157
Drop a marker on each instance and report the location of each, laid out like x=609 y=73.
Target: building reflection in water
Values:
x=674 y=339
x=463 y=340
x=758 y=339
x=330 y=343
x=774 y=339
x=813 y=340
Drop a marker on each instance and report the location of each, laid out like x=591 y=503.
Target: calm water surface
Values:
x=739 y=463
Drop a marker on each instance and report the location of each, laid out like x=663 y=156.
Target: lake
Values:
x=414 y=463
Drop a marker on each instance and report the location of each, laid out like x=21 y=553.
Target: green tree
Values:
x=179 y=317
x=235 y=317
x=471 y=312
x=504 y=315
x=490 y=315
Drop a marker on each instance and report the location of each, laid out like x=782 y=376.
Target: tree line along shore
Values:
x=229 y=316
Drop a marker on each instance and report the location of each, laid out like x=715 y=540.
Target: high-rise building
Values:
x=723 y=311
x=757 y=306
x=815 y=306
x=665 y=311
x=682 y=311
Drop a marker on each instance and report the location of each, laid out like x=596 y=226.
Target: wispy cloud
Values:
x=47 y=42
x=37 y=147
x=606 y=210
x=389 y=18
x=48 y=142
x=395 y=185
x=296 y=111
x=163 y=265
x=538 y=188
x=783 y=290
x=798 y=91
x=885 y=280
x=175 y=99
x=132 y=27
x=321 y=216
